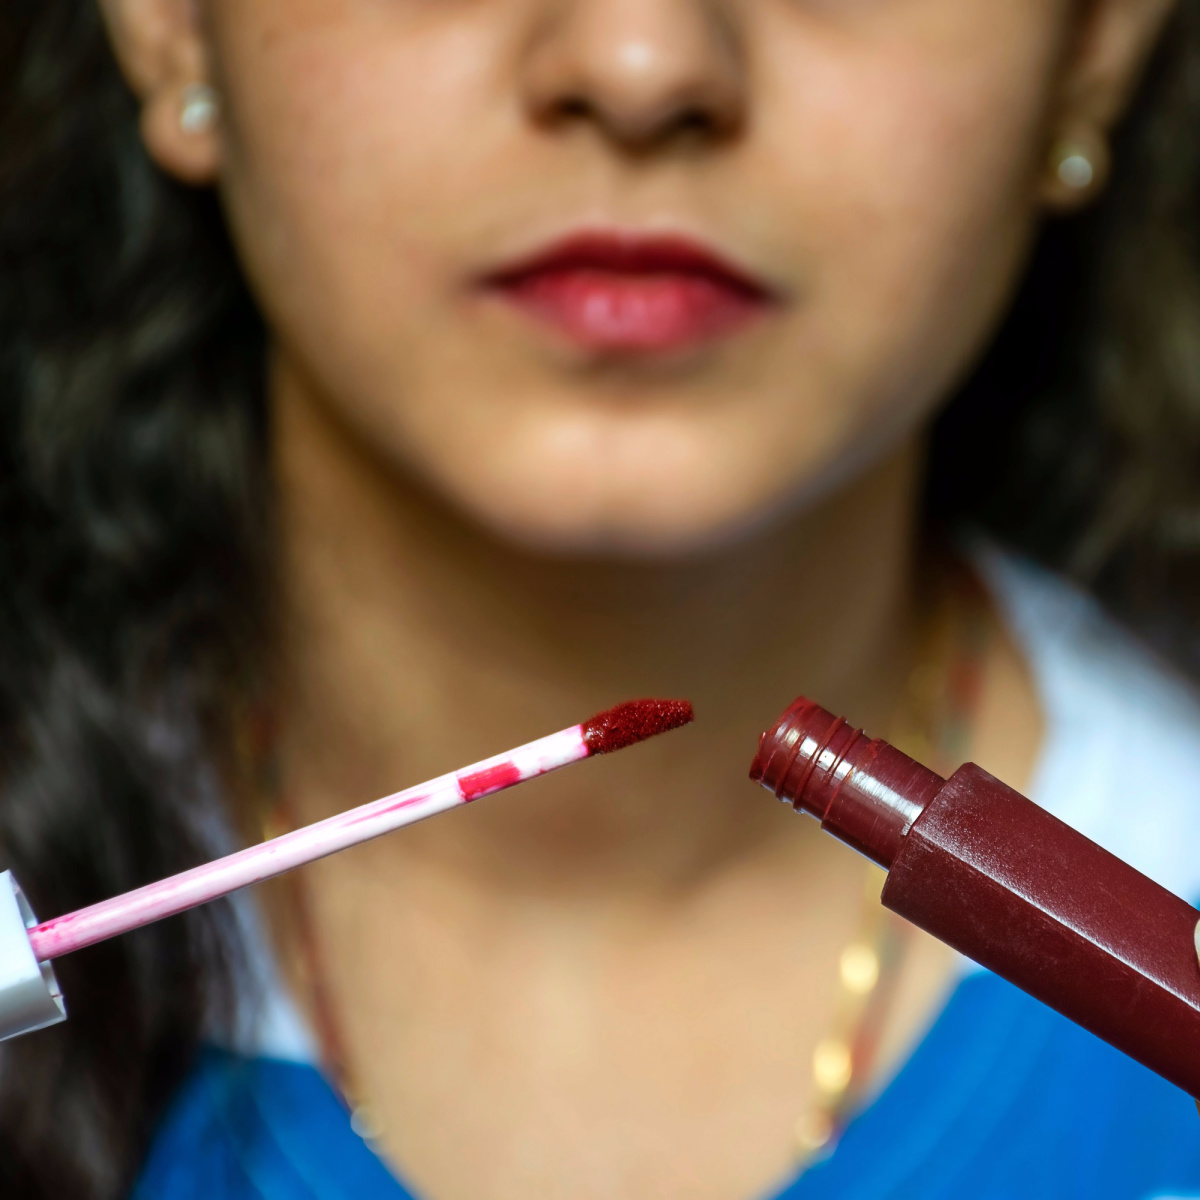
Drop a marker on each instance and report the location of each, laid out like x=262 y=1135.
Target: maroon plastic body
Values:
x=990 y=873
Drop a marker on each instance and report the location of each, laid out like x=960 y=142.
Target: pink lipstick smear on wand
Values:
x=609 y=731
x=622 y=293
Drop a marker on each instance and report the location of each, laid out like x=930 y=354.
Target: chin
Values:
x=689 y=515
x=656 y=529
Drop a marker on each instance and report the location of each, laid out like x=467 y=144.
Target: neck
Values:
x=416 y=643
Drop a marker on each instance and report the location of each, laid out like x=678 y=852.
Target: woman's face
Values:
x=629 y=276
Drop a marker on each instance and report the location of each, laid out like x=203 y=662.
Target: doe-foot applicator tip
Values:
x=634 y=721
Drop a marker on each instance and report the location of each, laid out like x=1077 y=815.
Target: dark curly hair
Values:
x=132 y=504
x=136 y=551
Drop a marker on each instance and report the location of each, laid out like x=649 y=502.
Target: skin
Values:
x=489 y=532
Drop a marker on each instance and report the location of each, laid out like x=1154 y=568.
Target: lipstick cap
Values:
x=30 y=997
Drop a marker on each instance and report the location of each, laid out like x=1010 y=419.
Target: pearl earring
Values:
x=1079 y=164
x=198 y=108
x=1074 y=168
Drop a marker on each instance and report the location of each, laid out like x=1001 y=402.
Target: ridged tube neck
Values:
x=862 y=790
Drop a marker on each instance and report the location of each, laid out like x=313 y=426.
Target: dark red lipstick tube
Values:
x=990 y=873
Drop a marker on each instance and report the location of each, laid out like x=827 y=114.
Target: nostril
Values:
x=573 y=108
x=642 y=127
x=643 y=76
x=696 y=122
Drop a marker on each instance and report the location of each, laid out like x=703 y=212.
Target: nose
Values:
x=642 y=72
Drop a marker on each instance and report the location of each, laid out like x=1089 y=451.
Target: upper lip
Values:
x=631 y=253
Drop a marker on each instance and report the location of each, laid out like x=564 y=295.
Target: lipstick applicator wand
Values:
x=30 y=998
x=999 y=879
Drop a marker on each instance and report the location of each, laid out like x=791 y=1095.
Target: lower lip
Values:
x=629 y=312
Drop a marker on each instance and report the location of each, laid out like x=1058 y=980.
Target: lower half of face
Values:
x=633 y=278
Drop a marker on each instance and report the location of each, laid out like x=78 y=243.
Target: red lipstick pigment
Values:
x=632 y=293
x=634 y=722
x=1013 y=888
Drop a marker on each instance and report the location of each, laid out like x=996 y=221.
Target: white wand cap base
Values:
x=29 y=994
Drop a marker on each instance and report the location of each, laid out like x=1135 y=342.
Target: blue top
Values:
x=1002 y=1097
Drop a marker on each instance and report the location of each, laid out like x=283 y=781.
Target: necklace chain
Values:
x=934 y=727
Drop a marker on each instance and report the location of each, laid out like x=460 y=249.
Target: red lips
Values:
x=625 y=293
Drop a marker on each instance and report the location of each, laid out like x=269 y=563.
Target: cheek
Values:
x=913 y=163
x=355 y=148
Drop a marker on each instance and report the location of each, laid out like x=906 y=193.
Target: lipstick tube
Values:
x=999 y=879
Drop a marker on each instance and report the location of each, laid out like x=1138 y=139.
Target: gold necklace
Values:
x=941 y=697
x=934 y=727
x=841 y=1061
